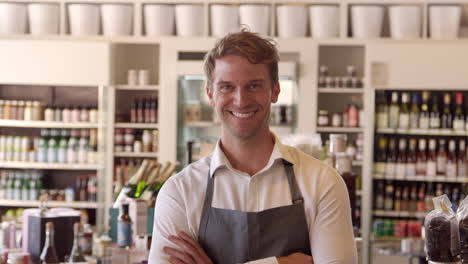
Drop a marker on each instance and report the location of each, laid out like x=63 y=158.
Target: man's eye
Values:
x=225 y=87
x=254 y=86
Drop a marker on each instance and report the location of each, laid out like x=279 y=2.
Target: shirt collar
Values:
x=219 y=159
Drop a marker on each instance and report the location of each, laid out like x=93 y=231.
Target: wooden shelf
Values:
x=423 y=132
x=384 y=213
x=137 y=87
x=422 y=178
x=136 y=125
x=341 y=90
x=340 y=129
x=136 y=155
x=44 y=124
x=47 y=166
x=21 y=203
x=421 y=87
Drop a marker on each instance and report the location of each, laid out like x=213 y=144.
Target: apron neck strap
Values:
x=293 y=188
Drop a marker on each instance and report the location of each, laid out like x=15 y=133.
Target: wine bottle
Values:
x=49 y=253
x=76 y=255
x=424 y=116
x=124 y=227
x=394 y=111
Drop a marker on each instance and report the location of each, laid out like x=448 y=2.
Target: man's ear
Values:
x=275 y=92
x=209 y=93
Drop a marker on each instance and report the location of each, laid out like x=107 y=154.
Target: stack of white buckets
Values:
x=293 y=21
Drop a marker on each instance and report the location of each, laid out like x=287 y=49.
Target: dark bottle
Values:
x=76 y=255
x=451 y=164
x=83 y=189
x=435 y=114
x=446 y=118
x=49 y=253
x=147 y=111
x=413 y=199
x=92 y=189
x=454 y=198
x=154 y=110
x=140 y=110
x=405 y=199
x=124 y=228
x=429 y=196
x=379 y=196
x=421 y=203
x=397 y=199
x=461 y=159
x=389 y=196
x=133 y=112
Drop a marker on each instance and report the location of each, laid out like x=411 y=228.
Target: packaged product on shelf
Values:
x=441 y=232
x=462 y=216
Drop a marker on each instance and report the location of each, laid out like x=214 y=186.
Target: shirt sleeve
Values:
x=331 y=236
x=169 y=218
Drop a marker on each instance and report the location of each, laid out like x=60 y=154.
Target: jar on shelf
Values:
x=323 y=119
x=20 y=110
x=155 y=140
x=146 y=140
x=129 y=136
x=36 y=111
x=14 y=110
x=58 y=114
x=336 y=119
x=2 y=103
x=119 y=137
x=49 y=114
x=28 y=111
x=84 y=114
x=93 y=115
x=7 y=110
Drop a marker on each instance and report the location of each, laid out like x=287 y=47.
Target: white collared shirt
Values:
x=179 y=204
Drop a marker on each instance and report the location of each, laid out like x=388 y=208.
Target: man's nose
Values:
x=241 y=97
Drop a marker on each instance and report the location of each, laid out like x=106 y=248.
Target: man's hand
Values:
x=192 y=252
x=296 y=258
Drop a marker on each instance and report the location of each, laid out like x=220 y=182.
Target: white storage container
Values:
x=292 y=21
x=159 y=20
x=405 y=21
x=256 y=18
x=84 y=19
x=367 y=21
x=117 y=19
x=44 y=18
x=324 y=21
x=13 y=18
x=224 y=19
x=189 y=20
x=444 y=21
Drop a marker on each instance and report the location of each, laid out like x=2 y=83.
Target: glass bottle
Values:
x=133 y=111
x=446 y=117
x=421 y=161
x=49 y=114
x=401 y=159
x=140 y=110
x=414 y=111
x=421 y=202
x=389 y=196
x=431 y=167
x=20 y=110
x=405 y=199
x=462 y=159
x=84 y=114
x=37 y=111
x=435 y=114
x=154 y=110
x=411 y=158
x=441 y=158
x=75 y=114
x=124 y=227
x=2 y=104
x=63 y=146
x=25 y=187
x=424 y=115
x=451 y=165
x=86 y=239
x=52 y=146
x=28 y=111
x=93 y=114
x=394 y=111
x=147 y=110
x=429 y=196
x=382 y=113
x=18 y=186
x=33 y=187
x=76 y=255
x=413 y=199
x=58 y=114
x=14 y=110
x=66 y=114
x=390 y=166
x=459 y=117
x=72 y=148
x=398 y=198
x=49 y=253
x=379 y=196
x=404 y=117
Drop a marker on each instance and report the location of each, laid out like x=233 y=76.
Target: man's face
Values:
x=241 y=94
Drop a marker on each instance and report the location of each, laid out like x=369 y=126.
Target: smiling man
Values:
x=253 y=199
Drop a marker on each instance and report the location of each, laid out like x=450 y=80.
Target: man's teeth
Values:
x=243 y=115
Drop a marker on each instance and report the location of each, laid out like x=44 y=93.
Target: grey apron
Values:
x=230 y=236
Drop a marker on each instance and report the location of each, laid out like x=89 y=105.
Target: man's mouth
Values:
x=242 y=115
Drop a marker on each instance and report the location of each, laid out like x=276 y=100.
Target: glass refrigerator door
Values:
x=198 y=128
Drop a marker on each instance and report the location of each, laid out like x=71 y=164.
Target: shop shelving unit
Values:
x=102 y=61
